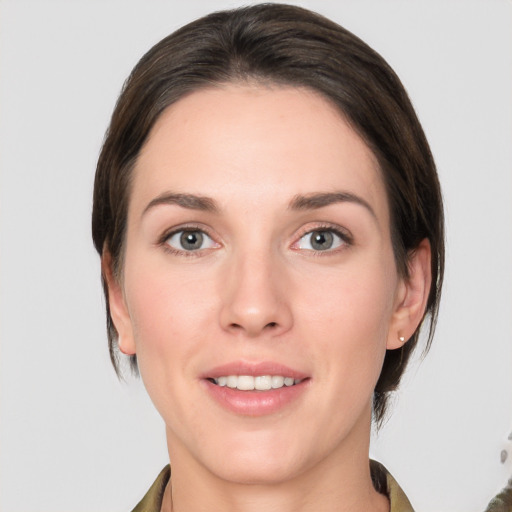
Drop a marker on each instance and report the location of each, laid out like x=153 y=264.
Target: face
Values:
x=259 y=287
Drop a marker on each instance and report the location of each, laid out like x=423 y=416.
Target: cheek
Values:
x=171 y=317
x=362 y=296
x=349 y=317
x=167 y=309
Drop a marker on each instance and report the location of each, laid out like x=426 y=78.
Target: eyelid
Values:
x=188 y=227
x=344 y=234
x=183 y=227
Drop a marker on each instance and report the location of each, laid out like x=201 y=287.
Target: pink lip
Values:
x=255 y=403
x=253 y=369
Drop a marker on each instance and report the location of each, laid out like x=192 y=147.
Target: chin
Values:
x=259 y=460
x=258 y=472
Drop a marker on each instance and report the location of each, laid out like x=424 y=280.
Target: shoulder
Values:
x=503 y=501
x=384 y=483
x=152 y=501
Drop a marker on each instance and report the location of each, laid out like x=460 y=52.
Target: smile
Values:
x=258 y=382
x=255 y=388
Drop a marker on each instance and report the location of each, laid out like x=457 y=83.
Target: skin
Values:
x=257 y=291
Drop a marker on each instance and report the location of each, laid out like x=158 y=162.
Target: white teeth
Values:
x=263 y=382
x=260 y=383
x=245 y=383
x=231 y=381
x=277 y=381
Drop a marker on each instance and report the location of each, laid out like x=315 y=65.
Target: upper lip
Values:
x=253 y=369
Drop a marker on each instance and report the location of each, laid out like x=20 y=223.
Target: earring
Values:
x=401 y=339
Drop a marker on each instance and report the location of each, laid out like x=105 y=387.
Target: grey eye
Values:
x=190 y=240
x=320 y=240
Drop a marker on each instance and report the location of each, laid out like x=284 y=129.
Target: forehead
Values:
x=259 y=142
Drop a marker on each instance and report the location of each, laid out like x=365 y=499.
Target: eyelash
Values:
x=342 y=234
x=183 y=229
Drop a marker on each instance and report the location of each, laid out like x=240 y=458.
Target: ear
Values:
x=117 y=304
x=412 y=297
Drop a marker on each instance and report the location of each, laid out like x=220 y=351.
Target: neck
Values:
x=340 y=482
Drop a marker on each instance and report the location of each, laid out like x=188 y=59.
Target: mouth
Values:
x=255 y=389
x=255 y=383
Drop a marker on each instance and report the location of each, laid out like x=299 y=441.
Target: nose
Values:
x=254 y=298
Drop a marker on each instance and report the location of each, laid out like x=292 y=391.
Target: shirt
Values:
x=503 y=501
x=382 y=480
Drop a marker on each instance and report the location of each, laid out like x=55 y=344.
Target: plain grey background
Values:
x=72 y=438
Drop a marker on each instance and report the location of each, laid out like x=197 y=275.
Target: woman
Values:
x=269 y=219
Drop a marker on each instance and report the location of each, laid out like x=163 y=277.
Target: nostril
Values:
x=271 y=324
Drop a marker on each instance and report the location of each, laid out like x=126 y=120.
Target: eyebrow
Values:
x=299 y=202
x=189 y=201
x=319 y=200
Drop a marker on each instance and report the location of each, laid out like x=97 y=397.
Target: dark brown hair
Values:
x=288 y=45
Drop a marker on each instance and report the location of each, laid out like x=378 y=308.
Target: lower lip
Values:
x=256 y=403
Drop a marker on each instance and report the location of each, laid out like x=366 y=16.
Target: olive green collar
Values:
x=382 y=480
